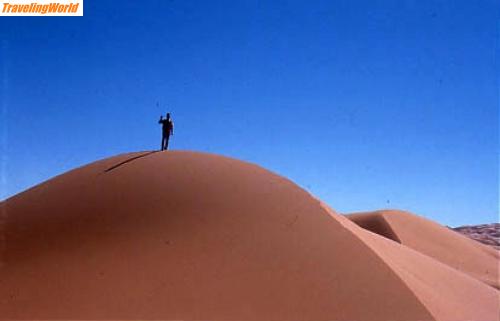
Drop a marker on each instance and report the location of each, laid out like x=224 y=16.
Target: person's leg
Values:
x=163 y=142
x=166 y=142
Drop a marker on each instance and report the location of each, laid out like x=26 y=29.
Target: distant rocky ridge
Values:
x=488 y=234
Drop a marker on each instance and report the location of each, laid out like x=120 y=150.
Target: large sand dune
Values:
x=191 y=236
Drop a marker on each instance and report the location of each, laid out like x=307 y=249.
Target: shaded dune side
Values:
x=37 y=193
x=440 y=243
x=376 y=224
x=189 y=236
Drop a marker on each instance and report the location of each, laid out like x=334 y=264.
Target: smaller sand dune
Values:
x=434 y=240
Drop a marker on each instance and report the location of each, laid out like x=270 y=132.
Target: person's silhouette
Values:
x=167 y=130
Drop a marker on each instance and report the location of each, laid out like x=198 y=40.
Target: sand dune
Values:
x=191 y=236
x=436 y=241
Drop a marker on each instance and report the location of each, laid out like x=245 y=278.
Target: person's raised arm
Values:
x=161 y=119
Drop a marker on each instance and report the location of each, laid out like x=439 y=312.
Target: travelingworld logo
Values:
x=41 y=8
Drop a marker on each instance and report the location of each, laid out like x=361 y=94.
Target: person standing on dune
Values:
x=167 y=130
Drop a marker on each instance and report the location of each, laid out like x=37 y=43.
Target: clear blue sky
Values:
x=366 y=104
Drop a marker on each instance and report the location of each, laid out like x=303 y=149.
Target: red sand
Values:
x=436 y=241
x=182 y=235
